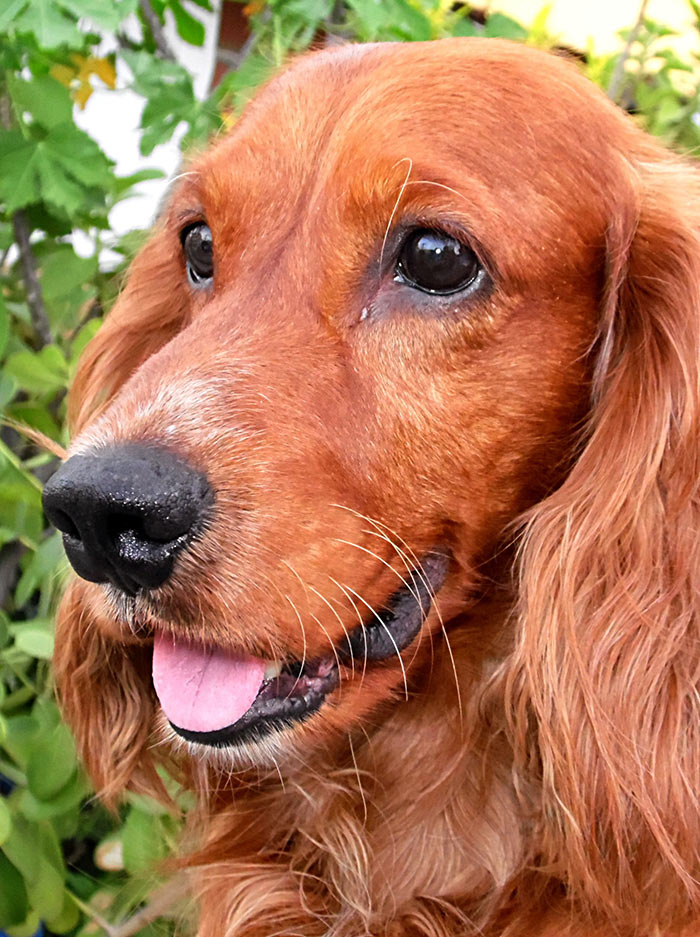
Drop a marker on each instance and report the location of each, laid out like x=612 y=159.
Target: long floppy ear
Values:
x=604 y=691
x=105 y=696
x=148 y=313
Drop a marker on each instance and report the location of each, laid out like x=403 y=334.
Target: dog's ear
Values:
x=148 y=313
x=604 y=691
x=105 y=693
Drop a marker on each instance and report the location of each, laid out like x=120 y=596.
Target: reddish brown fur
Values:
x=540 y=775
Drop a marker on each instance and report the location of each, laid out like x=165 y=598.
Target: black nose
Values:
x=125 y=512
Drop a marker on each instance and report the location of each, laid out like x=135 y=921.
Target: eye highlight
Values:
x=435 y=262
x=198 y=247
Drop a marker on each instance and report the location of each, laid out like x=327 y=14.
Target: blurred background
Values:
x=98 y=101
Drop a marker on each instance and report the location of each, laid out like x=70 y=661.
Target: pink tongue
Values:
x=203 y=689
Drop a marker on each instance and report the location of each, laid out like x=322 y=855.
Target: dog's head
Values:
x=420 y=292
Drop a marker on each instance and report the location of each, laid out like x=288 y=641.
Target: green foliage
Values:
x=63 y=860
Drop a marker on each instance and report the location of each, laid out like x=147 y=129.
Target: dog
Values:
x=383 y=499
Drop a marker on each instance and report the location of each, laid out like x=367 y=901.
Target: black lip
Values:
x=392 y=629
x=301 y=689
x=281 y=702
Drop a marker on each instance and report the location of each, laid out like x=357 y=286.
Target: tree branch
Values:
x=154 y=24
x=615 y=87
x=22 y=231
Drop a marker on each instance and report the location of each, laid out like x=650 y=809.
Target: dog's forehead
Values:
x=510 y=137
x=496 y=107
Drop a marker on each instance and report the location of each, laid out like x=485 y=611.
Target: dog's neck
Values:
x=437 y=835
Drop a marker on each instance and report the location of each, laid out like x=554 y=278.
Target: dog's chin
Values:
x=238 y=709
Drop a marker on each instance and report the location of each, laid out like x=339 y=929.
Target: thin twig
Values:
x=234 y=59
x=32 y=286
x=618 y=76
x=154 y=24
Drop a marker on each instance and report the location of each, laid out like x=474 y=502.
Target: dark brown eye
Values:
x=199 y=254
x=435 y=262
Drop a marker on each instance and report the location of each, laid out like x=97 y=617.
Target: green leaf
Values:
x=14 y=904
x=85 y=335
x=9 y=14
x=69 y=798
x=5 y=821
x=49 y=25
x=8 y=388
x=142 y=841
x=467 y=27
x=498 y=25
x=4 y=331
x=107 y=16
x=371 y=15
x=27 y=928
x=45 y=711
x=35 y=640
x=36 y=416
x=19 y=183
x=21 y=732
x=67 y=919
x=34 y=849
x=539 y=24
x=46 y=99
x=46 y=892
x=23 y=846
x=188 y=26
x=122 y=184
x=169 y=94
x=52 y=764
x=42 y=566
x=68 y=283
x=79 y=155
x=55 y=168
x=410 y=23
x=40 y=372
x=673 y=63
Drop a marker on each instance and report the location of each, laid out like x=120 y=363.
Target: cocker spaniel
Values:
x=384 y=500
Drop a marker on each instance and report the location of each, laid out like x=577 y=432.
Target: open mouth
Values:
x=220 y=698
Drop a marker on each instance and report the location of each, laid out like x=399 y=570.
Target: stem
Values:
x=14 y=774
x=618 y=76
x=91 y=913
x=154 y=24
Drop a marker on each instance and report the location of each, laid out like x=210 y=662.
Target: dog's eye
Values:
x=199 y=254
x=435 y=262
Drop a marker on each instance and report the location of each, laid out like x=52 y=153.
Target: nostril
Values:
x=64 y=523
x=119 y=526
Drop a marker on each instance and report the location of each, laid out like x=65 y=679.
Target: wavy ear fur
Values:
x=103 y=686
x=149 y=312
x=605 y=688
x=105 y=697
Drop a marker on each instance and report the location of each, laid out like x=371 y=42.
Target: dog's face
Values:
x=362 y=341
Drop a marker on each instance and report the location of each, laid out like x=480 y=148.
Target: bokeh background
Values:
x=98 y=101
